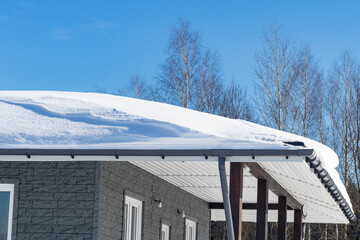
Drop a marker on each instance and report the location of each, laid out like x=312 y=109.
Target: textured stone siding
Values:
x=118 y=177
x=55 y=199
x=84 y=200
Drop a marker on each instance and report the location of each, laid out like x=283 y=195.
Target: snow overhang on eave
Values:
x=325 y=178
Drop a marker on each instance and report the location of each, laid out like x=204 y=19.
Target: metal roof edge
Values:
x=156 y=152
x=330 y=185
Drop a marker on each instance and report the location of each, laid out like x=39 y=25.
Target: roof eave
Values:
x=157 y=152
x=329 y=184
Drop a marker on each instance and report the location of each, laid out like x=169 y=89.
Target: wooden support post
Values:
x=262 y=210
x=298 y=224
x=236 y=194
x=282 y=218
x=257 y=171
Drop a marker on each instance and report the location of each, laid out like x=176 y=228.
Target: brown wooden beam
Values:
x=247 y=206
x=257 y=171
x=297 y=224
x=262 y=210
x=236 y=194
x=282 y=218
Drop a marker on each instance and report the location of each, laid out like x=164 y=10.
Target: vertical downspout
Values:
x=304 y=231
x=226 y=198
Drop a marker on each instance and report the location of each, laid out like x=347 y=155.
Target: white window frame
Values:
x=190 y=229
x=130 y=204
x=165 y=232
x=9 y=188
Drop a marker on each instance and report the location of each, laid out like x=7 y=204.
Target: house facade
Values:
x=98 y=200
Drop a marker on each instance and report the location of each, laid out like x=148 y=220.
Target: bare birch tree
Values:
x=355 y=132
x=209 y=87
x=136 y=87
x=191 y=77
x=181 y=70
x=342 y=97
x=307 y=97
x=276 y=72
x=235 y=104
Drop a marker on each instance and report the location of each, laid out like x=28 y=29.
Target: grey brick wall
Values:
x=55 y=200
x=117 y=177
x=84 y=200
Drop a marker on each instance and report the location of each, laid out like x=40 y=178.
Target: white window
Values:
x=6 y=210
x=132 y=219
x=165 y=232
x=190 y=230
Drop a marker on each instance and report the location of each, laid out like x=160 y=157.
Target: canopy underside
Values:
x=202 y=180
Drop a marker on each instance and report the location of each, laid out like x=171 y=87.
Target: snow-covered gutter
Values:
x=325 y=178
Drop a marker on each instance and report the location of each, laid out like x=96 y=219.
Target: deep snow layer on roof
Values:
x=31 y=119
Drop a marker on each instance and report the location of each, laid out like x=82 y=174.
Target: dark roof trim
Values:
x=329 y=184
x=157 y=152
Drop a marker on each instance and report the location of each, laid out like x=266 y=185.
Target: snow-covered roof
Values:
x=68 y=120
x=92 y=120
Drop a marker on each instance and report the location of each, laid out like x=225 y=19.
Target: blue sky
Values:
x=78 y=45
